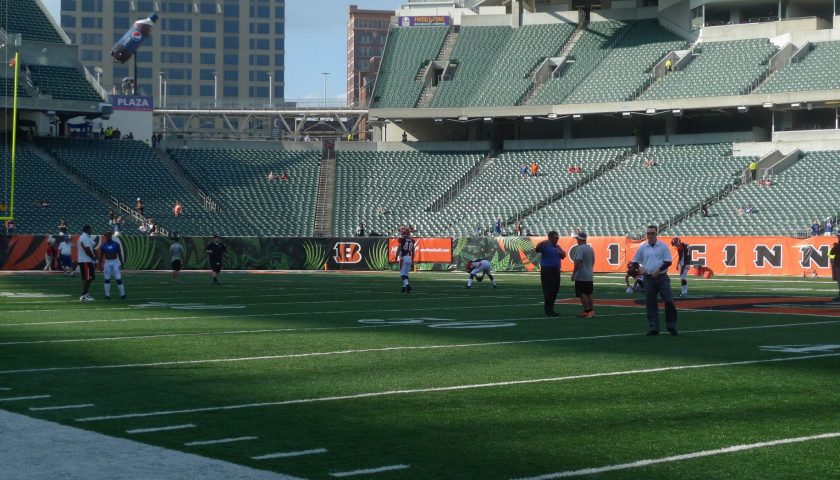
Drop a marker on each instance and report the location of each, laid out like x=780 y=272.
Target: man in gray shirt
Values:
x=176 y=254
x=584 y=257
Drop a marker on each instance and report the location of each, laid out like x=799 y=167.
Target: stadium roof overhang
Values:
x=780 y=101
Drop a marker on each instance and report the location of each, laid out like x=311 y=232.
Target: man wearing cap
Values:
x=654 y=256
x=215 y=254
x=552 y=254
x=834 y=254
x=112 y=264
x=87 y=259
x=584 y=257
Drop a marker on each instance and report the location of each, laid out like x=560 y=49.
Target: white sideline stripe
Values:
x=62 y=407
x=30 y=397
x=196 y=334
x=221 y=440
x=299 y=453
x=258 y=315
x=388 y=349
x=4 y=389
x=452 y=388
x=161 y=429
x=366 y=471
x=677 y=458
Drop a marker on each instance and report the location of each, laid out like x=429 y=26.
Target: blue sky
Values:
x=316 y=41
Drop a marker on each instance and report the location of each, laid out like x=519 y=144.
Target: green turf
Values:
x=347 y=363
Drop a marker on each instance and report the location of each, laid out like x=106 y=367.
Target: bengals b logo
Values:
x=347 y=252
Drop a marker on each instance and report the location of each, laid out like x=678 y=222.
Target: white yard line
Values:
x=388 y=349
x=161 y=429
x=452 y=388
x=30 y=397
x=4 y=389
x=62 y=407
x=678 y=458
x=368 y=471
x=261 y=315
x=219 y=441
x=299 y=453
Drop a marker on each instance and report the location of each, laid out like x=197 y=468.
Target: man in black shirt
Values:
x=215 y=251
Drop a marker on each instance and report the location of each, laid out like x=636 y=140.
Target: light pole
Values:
x=98 y=71
x=215 y=89
x=270 y=90
x=325 y=87
x=160 y=88
x=164 y=93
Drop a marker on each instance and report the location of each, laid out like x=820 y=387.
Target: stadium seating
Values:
x=403 y=184
x=128 y=169
x=66 y=83
x=500 y=190
x=628 y=66
x=27 y=18
x=818 y=70
x=806 y=191
x=584 y=57
x=238 y=179
x=626 y=199
x=475 y=53
x=7 y=87
x=36 y=181
x=718 y=68
x=509 y=78
x=407 y=51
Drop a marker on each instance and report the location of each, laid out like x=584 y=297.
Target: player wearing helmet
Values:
x=405 y=257
x=481 y=267
x=633 y=272
x=683 y=263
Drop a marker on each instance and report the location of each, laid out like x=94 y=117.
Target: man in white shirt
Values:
x=65 y=256
x=87 y=262
x=654 y=256
x=583 y=274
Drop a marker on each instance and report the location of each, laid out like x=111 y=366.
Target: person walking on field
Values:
x=176 y=255
x=654 y=256
x=215 y=254
x=584 y=257
x=552 y=254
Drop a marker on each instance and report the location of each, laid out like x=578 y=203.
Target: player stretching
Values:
x=683 y=263
x=633 y=271
x=405 y=257
x=114 y=259
x=479 y=266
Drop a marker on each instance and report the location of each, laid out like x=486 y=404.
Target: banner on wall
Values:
x=719 y=255
x=426 y=21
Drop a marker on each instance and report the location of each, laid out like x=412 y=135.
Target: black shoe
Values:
x=494 y=286
x=403 y=290
x=467 y=286
x=107 y=297
x=408 y=289
x=652 y=333
x=552 y=314
x=122 y=297
x=673 y=331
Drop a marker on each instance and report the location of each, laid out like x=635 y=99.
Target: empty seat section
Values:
x=386 y=189
x=717 y=68
x=66 y=83
x=407 y=51
x=818 y=70
x=26 y=18
x=238 y=179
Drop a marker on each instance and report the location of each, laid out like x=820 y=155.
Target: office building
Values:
x=366 y=34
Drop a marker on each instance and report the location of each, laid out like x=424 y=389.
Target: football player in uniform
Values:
x=405 y=256
x=87 y=262
x=113 y=260
x=478 y=268
x=633 y=272
x=683 y=263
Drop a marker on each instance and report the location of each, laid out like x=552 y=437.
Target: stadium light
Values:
x=650 y=111
x=552 y=115
x=578 y=117
x=743 y=109
x=795 y=105
x=626 y=114
x=438 y=120
x=528 y=119
x=677 y=112
x=488 y=120
x=463 y=118
x=768 y=104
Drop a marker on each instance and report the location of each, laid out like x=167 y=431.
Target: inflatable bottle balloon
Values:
x=125 y=48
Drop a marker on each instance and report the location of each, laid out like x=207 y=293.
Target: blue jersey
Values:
x=110 y=247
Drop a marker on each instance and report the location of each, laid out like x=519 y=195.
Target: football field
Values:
x=339 y=375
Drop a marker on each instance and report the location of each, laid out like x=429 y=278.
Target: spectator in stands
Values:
x=380 y=210
x=142 y=228
x=535 y=169
x=139 y=206
x=271 y=176
x=829 y=227
x=178 y=209
x=284 y=177
x=815 y=228
x=753 y=169
x=404 y=136
x=479 y=230
x=360 y=230
x=523 y=170
x=119 y=222
x=115 y=90
x=650 y=162
x=704 y=209
x=497 y=226
x=152 y=226
x=62 y=227
x=518 y=229
x=669 y=64
x=307 y=138
x=740 y=211
x=834 y=254
x=748 y=210
x=130 y=136
x=765 y=182
x=117 y=133
x=10 y=227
